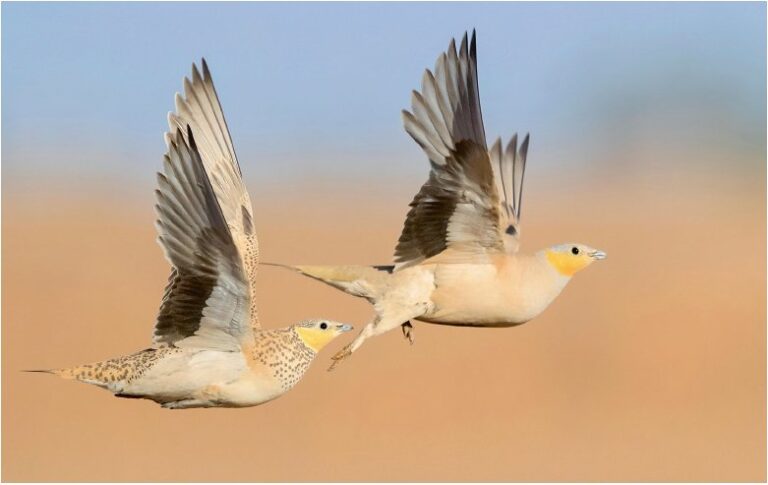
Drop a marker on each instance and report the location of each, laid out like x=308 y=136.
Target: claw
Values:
x=407 y=328
x=339 y=356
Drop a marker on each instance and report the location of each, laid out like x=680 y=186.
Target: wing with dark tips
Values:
x=465 y=204
x=200 y=110
x=207 y=300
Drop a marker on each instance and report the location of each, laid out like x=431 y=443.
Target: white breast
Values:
x=493 y=294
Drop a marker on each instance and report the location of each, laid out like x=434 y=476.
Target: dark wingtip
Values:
x=195 y=72
x=206 y=71
x=473 y=45
x=524 y=145
x=511 y=149
x=191 y=138
x=451 y=46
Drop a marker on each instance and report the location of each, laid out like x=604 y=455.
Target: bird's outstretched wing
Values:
x=201 y=110
x=471 y=200
x=207 y=301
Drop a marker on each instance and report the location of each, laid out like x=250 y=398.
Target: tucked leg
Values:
x=380 y=324
x=186 y=403
x=407 y=328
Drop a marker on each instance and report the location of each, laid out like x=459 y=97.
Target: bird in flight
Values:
x=457 y=260
x=209 y=349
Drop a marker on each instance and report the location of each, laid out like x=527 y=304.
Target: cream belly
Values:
x=204 y=378
x=492 y=295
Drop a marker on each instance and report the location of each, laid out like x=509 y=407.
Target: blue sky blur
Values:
x=312 y=89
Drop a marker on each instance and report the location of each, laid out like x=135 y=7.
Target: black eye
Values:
x=575 y=250
x=323 y=325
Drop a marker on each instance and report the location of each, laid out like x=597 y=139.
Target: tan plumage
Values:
x=456 y=262
x=209 y=349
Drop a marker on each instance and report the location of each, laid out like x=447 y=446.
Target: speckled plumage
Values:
x=284 y=353
x=125 y=369
x=209 y=348
x=279 y=357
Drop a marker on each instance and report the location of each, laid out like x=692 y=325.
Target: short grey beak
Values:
x=345 y=327
x=598 y=255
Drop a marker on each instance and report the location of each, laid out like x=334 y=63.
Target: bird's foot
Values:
x=340 y=355
x=407 y=328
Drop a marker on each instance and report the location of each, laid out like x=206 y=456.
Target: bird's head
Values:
x=568 y=259
x=316 y=334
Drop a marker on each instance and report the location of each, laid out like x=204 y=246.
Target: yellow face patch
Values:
x=315 y=338
x=566 y=263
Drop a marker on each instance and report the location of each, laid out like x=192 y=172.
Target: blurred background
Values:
x=648 y=126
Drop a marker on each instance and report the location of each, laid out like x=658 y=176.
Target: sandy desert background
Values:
x=650 y=365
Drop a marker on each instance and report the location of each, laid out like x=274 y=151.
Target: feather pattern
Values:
x=206 y=302
x=201 y=110
x=471 y=200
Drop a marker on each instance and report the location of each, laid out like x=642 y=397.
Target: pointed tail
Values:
x=63 y=373
x=363 y=281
